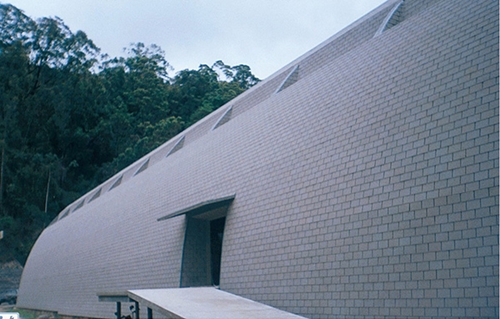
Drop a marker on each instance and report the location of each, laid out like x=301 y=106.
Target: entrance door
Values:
x=216 y=236
x=201 y=261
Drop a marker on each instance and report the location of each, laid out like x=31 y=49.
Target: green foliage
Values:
x=239 y=74
x=70 y=119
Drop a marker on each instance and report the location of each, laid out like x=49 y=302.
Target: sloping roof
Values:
x=338 y=45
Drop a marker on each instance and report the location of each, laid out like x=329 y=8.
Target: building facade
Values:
x=359 y=181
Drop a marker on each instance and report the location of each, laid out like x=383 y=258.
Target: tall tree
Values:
x=240 y=74
x=70 y=118
x=38 y=62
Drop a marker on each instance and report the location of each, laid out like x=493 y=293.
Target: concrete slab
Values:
x=205 y=303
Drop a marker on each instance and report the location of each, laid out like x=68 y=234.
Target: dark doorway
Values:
x=201 y=261
x=216 y=237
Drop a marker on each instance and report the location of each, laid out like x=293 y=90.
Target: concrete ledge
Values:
x=205 y=303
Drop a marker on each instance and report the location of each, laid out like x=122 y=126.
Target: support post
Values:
x=137 y=310
x=118 y=310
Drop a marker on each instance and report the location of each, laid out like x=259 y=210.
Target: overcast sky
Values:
x=263 y=34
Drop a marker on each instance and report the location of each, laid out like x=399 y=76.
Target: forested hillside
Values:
x=71 y=117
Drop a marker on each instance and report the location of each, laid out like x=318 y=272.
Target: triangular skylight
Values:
x=224 y=118
x=96 y=195
x=116 y=183
x=80 y=205
x=54 y=220
x=143 y=167
x=290 y=79
x=393 y=18
x=177 y=146
x=64 y=214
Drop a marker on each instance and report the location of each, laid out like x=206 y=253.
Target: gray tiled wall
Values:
x=367 y=189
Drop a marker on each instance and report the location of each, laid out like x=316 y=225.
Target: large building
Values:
x=359 y=181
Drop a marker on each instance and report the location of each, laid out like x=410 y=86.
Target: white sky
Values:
x=263 y=34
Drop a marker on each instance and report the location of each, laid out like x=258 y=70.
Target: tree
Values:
x=136 y=98
x=149 y=137
x=196 y=93
x=189 y=88
x=70 y=118
x=15 y=26
x=43 y=66
x=239 y=74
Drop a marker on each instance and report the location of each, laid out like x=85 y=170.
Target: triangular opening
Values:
x=80 y=205
x=394 y=17
x=116 y=183
x=143 y=167
x=66 y=213
x=224 y=118
x=96 y=195
x=290 y=79
x=176 y=147
x=54 y=220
